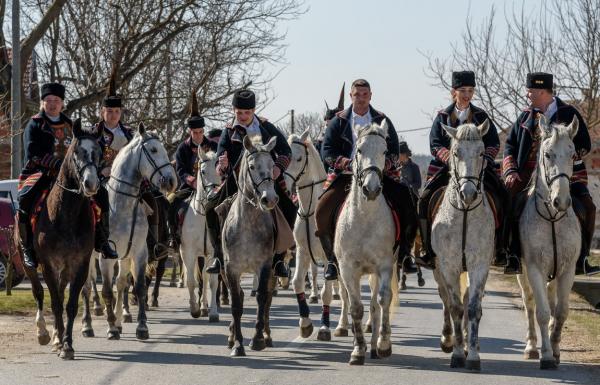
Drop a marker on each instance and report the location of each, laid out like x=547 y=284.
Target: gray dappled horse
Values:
x=550 y=242
x=144 y=158
x=64 y=238
x=249 y=241
x=462 y=237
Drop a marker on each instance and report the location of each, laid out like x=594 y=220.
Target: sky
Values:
x=338 y=41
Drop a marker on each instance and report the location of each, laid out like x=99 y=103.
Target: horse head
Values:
x=154 y=162
x=369 y=161
x=256 y=173
x=299 y=159
x=83 y=158
x=207 y=179
x=555 y=161
x=467 y=159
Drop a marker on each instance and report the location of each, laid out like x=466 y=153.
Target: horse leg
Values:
x=456 y=308
x=446 y=339
x=75 y=286
x=374 y=320
x=326 y=296
x=189 y=267
x=98 y=310
x=540 y=293
x=314 y=289
x=38 y=294
x=236 y=340
x=107 y=271
x=302 y=264
x=204 y=287
x=160 y=272
x=531 y=350
x=258 y=340
x=57 y=306
x=213 y=280
x=86 y=320
x=342 y=328
x=336 y=290
x=352 y=285
x=141 y=291
x=384 y=343
x=420 y=280
x=270 y=288
x=477 y=279
x=254 y=285
x=223 y=291
x=122 y=306
x=564 y=285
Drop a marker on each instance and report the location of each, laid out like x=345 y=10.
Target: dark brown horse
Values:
x=64 y=238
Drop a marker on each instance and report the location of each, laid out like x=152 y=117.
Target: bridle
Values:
x=361 y=173
x=80 y=168
x=255 y=186
x=303 y=170
x=206 y=187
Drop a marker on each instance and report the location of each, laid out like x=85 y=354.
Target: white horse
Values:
x=359 y=253
x=194 y=239
x=308 y=174
x=550 y=242
x=144 y=158
x=463 y=240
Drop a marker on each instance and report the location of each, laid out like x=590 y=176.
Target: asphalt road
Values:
x=182 y=350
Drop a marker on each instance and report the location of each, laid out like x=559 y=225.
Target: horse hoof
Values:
x=306 y=331
x=269 y=342
x=67 y=354
x=154 y=302
x=532 y=355
x=127 y=318
x=180 y=285
x=56 y=348
x=368 y=329
x=253 y=293
x=457 y=362
x=238 y=352
x=258 y=344
x=357 y=360
x=203 y=312
x=213 y=318
x=340 y=332
x=195 y=313
x=120 y=329
x=44 y=339
x=474 y=365
x=113 y=335
x=141 y=334
x=374 y=355
x=446 y=349
x=313 y=299
x=421 y=282
x=337 y=297
x=557 y=358
x=548 y=364
x=88 y=333
x=324 y=335
x=224 y=301
x=403 y=286
x=230 y=344
x=384 y=353
x=171 y=284
x=98 y=311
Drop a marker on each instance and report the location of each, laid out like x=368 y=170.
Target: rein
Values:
x=79 y=169
x=361 y=173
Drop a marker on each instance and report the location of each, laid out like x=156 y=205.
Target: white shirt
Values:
x=119 y=140
x=358 y=120
x=551 y=109
x=462 y=115
x=252 y=129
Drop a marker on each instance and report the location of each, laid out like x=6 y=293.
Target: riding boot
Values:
x=331 y=272
x=427 y=260
x=217 y=264
x=513 y=264
x=26 y=241
x=501 y=256
x=583 y=266
x=156 y=251
x=102 y=244
x=173 y=225
x=279 y=268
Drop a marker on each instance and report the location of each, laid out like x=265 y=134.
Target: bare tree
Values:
x=306 y=120
x=562 y=38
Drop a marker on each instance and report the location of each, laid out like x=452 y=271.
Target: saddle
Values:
x=41 y=202
x=436 y=201
x=395 y=217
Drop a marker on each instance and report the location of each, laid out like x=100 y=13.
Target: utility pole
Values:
x=292 y=122
x=15 y=111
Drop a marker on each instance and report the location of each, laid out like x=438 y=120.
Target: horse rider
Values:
x=339 y=146
x=520 y=159
x=461 y=111
x=229 y=153
x=186 y=165
x=410 y=175
x=115 y=135
x=45 y=142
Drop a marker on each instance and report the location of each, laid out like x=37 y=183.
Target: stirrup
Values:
x=113 y=250
x=427 y=264
x=277 y=273
x=587 y=269
x=215 y=267
x=333 y=276
x=509 y=269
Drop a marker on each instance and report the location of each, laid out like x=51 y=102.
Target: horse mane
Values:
x=373 y=128
x=468 y=132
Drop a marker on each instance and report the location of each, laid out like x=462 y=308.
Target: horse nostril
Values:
x=264 y=201
x=87 y=184
x=555 y=203
x=365 y=190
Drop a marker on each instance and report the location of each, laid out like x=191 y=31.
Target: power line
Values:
x=414 y=129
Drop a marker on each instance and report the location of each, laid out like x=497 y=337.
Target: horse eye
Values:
x=358 y=151
x=251 y=167
x=154 y=150
x=547 y=155
x=299 y=159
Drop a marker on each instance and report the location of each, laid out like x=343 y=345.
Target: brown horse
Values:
x=64 y=238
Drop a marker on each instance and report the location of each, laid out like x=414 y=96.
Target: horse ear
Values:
x=573 y=128
x=248 y=144
x=484 y=127
x=77 y=131
x=141 y=128
x=271 y=145
x=450 y=130
x=201 y=154
x=304 y=135
x=384 y=125
x=545 y=127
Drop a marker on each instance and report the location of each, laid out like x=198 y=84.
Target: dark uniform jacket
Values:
x=410 y=175
x=439 y=140
x=105 y=141
x=338 y=142
x=45 y=144
x=520 y=139
x=231 y=141
x=186 y=159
